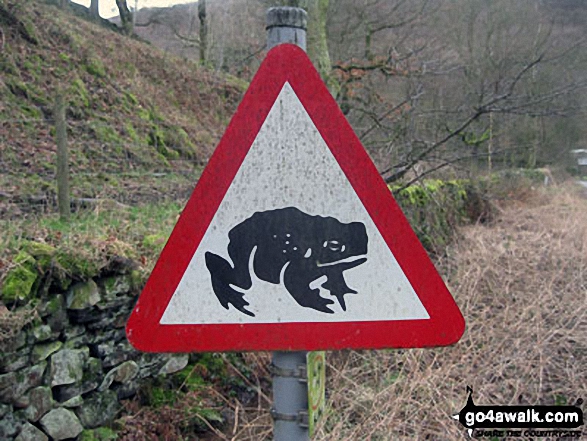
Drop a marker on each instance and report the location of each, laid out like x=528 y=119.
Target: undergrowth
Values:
x=521 y=283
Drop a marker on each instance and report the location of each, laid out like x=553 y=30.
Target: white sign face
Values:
x=290 y=173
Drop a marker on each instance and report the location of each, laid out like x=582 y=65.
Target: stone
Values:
x=15 y=384
x=14 y=361
x=92 y=377
x=114 y=354
x=67 y=366
x=10 y=425
x=121 y=374
x=113 y=287
x=4 y=409
x=76 y=401
x=114 y=335
x=83 y=295
x=30 y=433
x=175 y=364
x=77 y=342
x=42 y=333
x=40 y=402
x=44 y=350
x=52 y=306
x=61 y=424
x=73 y=331
x=98 y=410
x=14 y=343
x=21 y=402
x=57 y=318
x=126 y=390
x=83 y=316
x=6 y=381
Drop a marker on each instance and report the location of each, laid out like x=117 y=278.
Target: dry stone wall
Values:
x=66 y=373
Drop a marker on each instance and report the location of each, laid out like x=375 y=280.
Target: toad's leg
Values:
x=296 y=279
x=223 y=276
x=338 y=287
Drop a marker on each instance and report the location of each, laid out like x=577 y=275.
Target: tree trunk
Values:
x=318 y=42
x=95 y=9
x=203 y=30
x=125 y=16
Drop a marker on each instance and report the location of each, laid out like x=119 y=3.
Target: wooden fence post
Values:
x=62 y=159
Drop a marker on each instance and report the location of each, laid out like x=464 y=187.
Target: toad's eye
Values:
x=333 y=245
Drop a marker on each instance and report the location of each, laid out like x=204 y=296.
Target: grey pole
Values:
x=286 y=24
x=290 y=388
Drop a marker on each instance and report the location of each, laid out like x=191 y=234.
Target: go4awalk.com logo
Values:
x=521 y=421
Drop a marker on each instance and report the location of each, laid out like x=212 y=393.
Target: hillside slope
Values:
x=132 y=109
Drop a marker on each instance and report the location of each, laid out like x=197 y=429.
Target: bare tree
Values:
x=203 y=30
x=427 y=85
x=125 y=16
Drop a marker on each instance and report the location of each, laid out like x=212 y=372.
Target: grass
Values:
x=521 y=283
x=93 y=237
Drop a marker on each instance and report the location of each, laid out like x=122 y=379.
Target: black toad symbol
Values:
x=290 y=247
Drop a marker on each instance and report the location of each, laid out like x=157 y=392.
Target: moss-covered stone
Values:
x=41 y=333
x=40 y=402
x=76 y=264
x=20 y=280
x=83 y=295
x=76 y=401
x=99 y=410
x=67 y=366
x=61 y=424
x=44 y=351
x=30 y=433
x=115 y=286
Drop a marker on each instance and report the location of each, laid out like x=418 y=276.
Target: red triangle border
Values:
x=289 y=63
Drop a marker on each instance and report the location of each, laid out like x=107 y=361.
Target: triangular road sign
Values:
x=291 y=240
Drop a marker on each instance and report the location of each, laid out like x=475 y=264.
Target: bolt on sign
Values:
x=291 y=240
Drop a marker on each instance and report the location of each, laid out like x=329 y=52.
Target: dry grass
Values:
x=521 y=283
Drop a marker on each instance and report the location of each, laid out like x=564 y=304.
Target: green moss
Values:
x=95 y=67
x=31 y=111
x=8 y=66
x=54 y=304
x=76 y=265
x=42 y=252
x=131 y=98
x=143 y=114
x=33 y=66
x=20 y=280
x=154 y=242
x=132 y=133
x=99 y=434
x=79 y=96
x=178 y=139
x=237 y=82
x=30 y=31
x=107 y=135
x=17 y=88
x=434 y=208
x=64 y=57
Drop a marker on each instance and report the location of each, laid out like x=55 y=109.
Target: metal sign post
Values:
x=289 y=373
